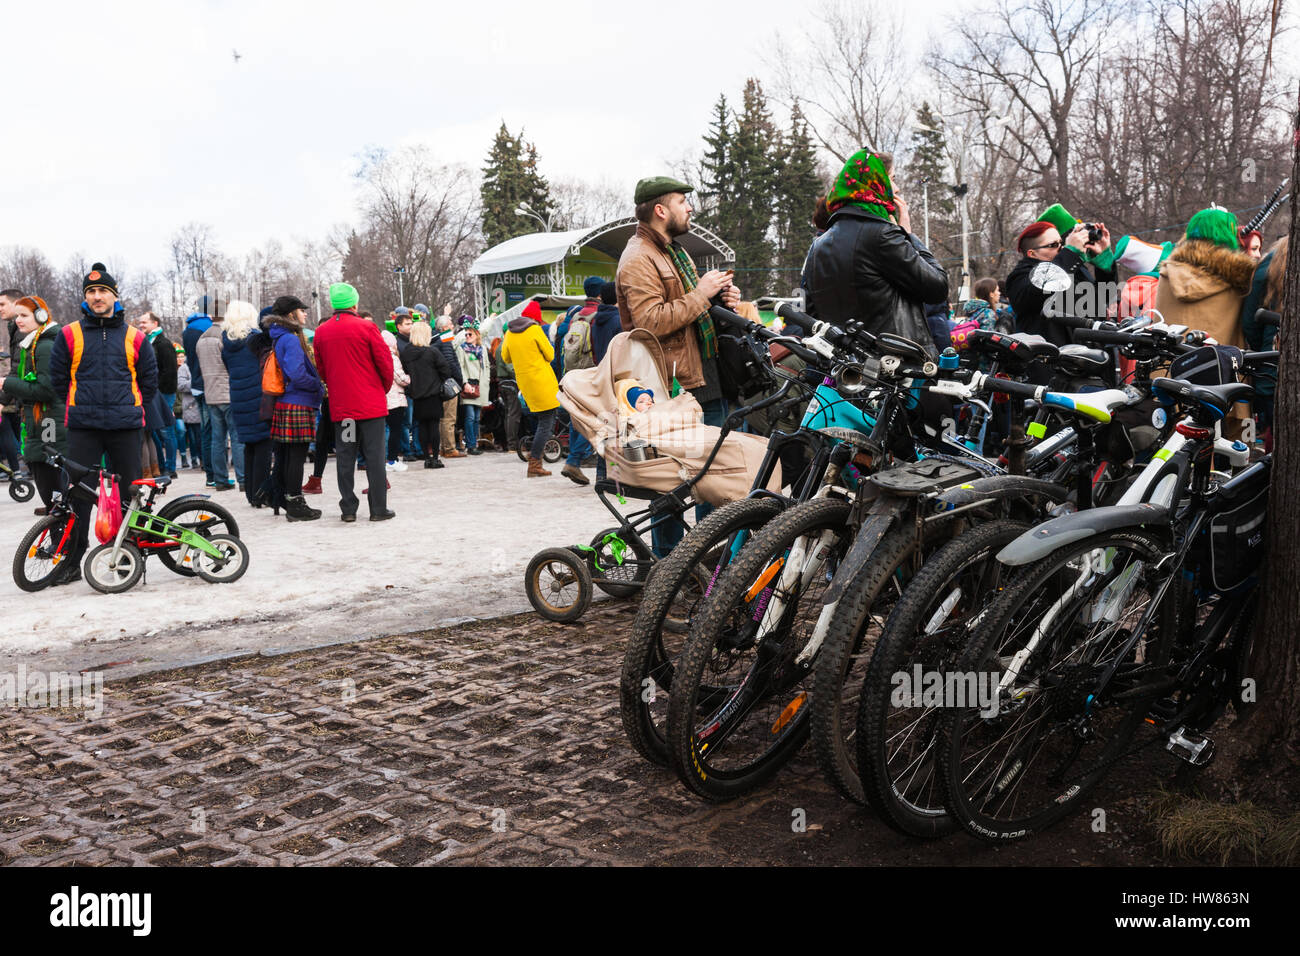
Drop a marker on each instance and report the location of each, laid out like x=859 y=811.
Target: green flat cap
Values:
x=657 y=186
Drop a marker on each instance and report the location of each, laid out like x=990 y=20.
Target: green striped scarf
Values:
x=690 y=279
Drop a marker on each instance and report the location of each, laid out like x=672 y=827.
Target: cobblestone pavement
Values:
x=494 y=743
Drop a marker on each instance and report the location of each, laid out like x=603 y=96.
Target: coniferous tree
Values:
x=798 y=187
x=511 y=178
x=927 y=174
x=715 y=198
x=753 y=151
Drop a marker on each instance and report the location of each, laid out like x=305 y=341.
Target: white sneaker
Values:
x=395 y=466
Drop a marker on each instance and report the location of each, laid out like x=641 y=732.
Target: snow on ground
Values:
x=457 y=550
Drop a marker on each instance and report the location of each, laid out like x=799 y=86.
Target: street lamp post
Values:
x=925 y=208
x=523 y=209
x=401 y=294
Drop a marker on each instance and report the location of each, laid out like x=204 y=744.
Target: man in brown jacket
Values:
x=654 y=273
x=659 y=290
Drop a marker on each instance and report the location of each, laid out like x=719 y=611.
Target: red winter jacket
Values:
x=356 y=366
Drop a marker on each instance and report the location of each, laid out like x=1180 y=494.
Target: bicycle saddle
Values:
x=1099 y=406
x=1083 y=361
x=1019 y=348
x=162 y=481
x=1216 y=398
x=889 y=344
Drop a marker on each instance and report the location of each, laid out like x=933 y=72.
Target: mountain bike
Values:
x=1138 y=612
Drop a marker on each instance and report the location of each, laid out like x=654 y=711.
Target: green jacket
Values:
x=33 y=386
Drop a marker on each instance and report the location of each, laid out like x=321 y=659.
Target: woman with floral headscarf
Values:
x=867 y=265
x=474 y=368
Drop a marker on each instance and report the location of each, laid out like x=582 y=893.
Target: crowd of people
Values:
x=247 y=397
x=259 y=393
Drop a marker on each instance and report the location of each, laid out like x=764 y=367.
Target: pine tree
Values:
x=717 y=185
x=797 y=188
x=511 y=177
x=929 y=162
x=754 y=164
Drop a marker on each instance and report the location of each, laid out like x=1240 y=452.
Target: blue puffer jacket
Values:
x=301 y=382
x=106 y=370
x=195 y=325
x=243 y=360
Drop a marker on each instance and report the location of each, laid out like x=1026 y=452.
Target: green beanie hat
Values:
x=1216 y=225
x=343 y=296
x=1060 y=219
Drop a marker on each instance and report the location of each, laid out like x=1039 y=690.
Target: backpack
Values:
x=577 y=342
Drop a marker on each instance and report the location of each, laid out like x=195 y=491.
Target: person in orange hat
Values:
x=40 y=407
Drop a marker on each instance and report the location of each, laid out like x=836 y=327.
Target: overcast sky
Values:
x=128 y=120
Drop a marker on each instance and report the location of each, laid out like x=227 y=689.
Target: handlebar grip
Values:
x=1106 y=337
x=1009 y=387
x=1260 y=358
x=724 y=316
x=1267 y=317
x=793 y=316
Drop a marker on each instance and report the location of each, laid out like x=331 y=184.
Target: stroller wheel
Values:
x=616 y=578
x=21 y=490
x=558 y=585
x=553 y=452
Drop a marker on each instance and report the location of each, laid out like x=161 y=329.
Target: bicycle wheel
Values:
x=841 y=662
x=199 y=515
x=558 y=584
x=617 y=575
x=552 y=451
x=927 y=630
x=110 y=576
x=738 y=710
x=42 y=552
x=230 y=567
x=1042 y=741
x=21 y=491
x=679 y=585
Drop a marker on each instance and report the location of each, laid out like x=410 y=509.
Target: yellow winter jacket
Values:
x=529 y=351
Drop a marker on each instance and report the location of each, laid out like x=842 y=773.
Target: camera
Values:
x=1094 y=231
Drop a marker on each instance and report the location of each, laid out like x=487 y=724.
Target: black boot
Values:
x=297 y=509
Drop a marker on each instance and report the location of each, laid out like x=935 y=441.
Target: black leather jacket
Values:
x=864 y=267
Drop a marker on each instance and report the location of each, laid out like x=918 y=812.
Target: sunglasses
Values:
x=1051 y=245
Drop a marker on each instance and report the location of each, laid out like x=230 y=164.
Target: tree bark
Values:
x=1261 y=757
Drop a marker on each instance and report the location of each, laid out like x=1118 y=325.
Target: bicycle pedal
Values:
x=1196 y=749
x=1161 y=710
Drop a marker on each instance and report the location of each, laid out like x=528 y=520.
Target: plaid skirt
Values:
x=295 y=424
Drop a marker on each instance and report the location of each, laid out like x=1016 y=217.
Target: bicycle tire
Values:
x=613 y=574
x=231 y=569
x=773 y=711
x=210 y=518
x=21 y=491
x=990 y=796
x=34 y=569
x=682 y=578
x=552 y=451
x=928 y=628
x=574 y=573
x=841 y=661
x=110 y=578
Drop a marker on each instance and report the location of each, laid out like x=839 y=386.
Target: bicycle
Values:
x=1131 y=613
x=43 y=553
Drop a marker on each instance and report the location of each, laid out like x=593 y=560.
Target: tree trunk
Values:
x=1261 y=758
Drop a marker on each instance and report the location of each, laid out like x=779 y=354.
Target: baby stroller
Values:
x=663 y=456
x=20 y=488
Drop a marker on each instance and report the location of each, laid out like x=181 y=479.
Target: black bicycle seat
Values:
x=1216 y=398
x=889 y=344
x=1081 y=360
x=1019 y=348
